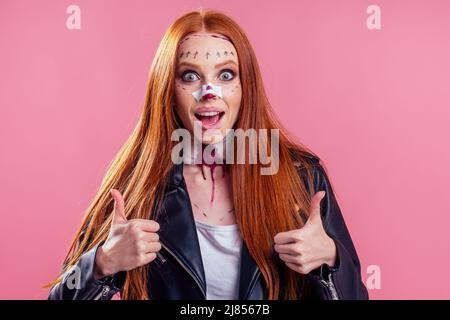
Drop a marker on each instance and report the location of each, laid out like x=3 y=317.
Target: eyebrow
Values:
x=189 y=64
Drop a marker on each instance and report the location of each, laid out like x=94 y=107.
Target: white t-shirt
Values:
x=220 y=248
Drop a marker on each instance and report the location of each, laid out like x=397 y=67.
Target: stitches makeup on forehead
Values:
x=207 y=54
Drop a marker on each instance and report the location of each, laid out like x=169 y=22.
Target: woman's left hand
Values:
x=307 y=248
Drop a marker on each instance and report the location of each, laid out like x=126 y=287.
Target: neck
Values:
x=207 y=154
x=208 y=158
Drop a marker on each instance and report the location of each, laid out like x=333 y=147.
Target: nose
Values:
x=209 y=96
x=207 y=92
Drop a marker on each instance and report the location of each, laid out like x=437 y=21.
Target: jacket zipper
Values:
x=331 y=288
x=185 y=268
x=102 y=294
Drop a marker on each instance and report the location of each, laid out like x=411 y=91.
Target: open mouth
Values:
x=210 y=118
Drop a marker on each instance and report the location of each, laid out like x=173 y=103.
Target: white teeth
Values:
x=208 y=114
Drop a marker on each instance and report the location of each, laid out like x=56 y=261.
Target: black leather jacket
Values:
x=177 y=272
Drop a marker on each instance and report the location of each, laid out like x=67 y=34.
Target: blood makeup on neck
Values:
x=212 y=167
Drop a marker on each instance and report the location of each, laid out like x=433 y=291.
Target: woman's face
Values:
x=207 y=83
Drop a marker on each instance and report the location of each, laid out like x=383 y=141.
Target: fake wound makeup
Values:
x=212 y=167
x=192 y=54
x=207 y=91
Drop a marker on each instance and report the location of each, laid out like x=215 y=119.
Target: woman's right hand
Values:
x=130 y=243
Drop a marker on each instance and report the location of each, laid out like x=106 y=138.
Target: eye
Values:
x=189 y=76
x=227 y=75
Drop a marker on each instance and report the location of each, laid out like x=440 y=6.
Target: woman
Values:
x=210 y=228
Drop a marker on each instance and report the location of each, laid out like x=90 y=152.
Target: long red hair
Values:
x=266 y=205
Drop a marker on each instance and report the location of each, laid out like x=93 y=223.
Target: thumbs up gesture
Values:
x=130 y=243
x=307 y=248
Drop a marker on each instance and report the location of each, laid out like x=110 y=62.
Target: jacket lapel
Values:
x=249 y=272
x=177 y=228
x=178 y=232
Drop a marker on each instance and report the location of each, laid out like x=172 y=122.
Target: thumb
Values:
x=314 y=211
x=119 y=208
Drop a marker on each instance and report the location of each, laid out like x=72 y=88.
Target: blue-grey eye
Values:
x=190 y=76
x=227 y=75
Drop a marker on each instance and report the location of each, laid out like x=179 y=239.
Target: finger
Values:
x=297 y=268
x=314 y=211
x=289 y=258
x=119 y=208
x=150 y=237
x=289 y=248
x=149 y=247
x=288 y=236
x=149 y=257
x=146 y=224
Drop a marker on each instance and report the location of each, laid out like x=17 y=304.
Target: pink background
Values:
x=374 y=104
